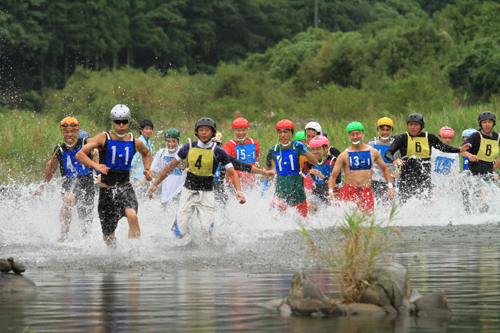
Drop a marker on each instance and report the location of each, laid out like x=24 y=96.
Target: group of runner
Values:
x=199 y=175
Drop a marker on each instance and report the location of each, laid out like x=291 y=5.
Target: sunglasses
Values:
x=121 y=122
x=72 y=125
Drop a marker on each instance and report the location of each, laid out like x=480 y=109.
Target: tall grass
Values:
x=353 y=255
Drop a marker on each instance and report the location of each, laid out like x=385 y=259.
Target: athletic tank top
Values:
x=488 y=150
x=246 y=153
x=382 y=148
x=201 y=161
x=117 y=156
x=68 y=164
x=418 y=146
x=287 y=163
x=360 y=160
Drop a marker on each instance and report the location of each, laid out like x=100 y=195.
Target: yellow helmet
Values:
x=218 y=138
x=385 y=122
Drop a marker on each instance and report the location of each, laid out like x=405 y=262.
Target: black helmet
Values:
x=486 y=115
x=205 y=121
x=145 y=123
x=416 y=117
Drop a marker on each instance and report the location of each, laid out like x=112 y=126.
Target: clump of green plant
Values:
x=353 y=256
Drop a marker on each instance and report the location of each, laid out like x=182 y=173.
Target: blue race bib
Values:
x=217 y=174
x=288 y=165
x=246 y=153
x=382 y=149
x=73 y=168
x=466 y=163
x=360 y=160
x=119 y=154
x=326 y=170
x=443 y=165
x=168 y=159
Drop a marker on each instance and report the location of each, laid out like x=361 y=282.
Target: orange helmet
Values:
x=241 y=123
x=70 y=122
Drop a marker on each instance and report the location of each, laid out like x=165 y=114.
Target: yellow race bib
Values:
x=488 y=150
x=201 y=161
x=418 y=147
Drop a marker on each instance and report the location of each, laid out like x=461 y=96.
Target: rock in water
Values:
x=17 y=268
x=5 y=266
x=433 y=305
x=389 y=289
x=16 y=283
x=306 y=299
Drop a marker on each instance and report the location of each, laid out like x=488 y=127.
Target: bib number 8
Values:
x=418 y=147
x=488 y=150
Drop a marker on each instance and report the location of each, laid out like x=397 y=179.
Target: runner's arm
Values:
x=167 y=170
x=82 y=155
x=236 y=183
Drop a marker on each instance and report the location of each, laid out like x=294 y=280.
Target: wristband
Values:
x=330 y=190
x=239 y=192
x=389 y=185
x=146 y=169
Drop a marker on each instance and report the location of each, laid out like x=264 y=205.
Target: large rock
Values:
x=10 y=282
x=388 y=294
x=432 y=305
x=389 y=289
x=304 y=298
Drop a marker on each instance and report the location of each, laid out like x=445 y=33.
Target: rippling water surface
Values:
x=195 y=285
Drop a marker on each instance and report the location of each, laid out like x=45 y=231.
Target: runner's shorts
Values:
x=112 y=203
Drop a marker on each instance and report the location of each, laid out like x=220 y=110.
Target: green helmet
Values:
x=301 y=135
x=355 y=126
x=172 y=133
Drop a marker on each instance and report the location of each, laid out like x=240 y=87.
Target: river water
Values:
x=194 y=285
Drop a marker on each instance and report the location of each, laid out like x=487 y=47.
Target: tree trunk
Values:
x=41 y=77
x=76 y=61
x=128 y=56
x=87 y=62
x=114 y=61
x=96 y=65
x=65 y=64
x=315 y=14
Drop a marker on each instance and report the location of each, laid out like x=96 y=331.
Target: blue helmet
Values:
x=83 y=135
x=468 y=132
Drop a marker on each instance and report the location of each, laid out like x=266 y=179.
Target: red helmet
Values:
x=285 y=124
x=241 y=123
x=446 y=132
x=319 y=141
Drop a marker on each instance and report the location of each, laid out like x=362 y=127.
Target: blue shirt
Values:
x=137 y=165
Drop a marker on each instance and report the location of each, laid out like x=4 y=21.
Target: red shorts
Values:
x=363 y=197
x=279 y=204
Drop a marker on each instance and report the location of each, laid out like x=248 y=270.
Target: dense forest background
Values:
x=384 y=56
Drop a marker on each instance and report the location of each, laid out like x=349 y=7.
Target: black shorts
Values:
x=112 y=203
x=84 y=191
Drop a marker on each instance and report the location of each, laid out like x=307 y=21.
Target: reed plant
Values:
x=353 y=251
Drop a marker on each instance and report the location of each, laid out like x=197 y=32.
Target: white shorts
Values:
x=317 y=200
x=201 y=202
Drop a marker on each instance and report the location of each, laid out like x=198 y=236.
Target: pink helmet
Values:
x=446 y=132
x=319 y=141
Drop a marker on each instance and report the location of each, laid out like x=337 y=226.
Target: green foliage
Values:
x=362 y=243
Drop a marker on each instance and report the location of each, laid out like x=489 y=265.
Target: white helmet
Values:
x=120 y=112
x=315 y=126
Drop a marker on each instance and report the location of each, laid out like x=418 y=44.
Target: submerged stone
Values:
x=10 y=282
